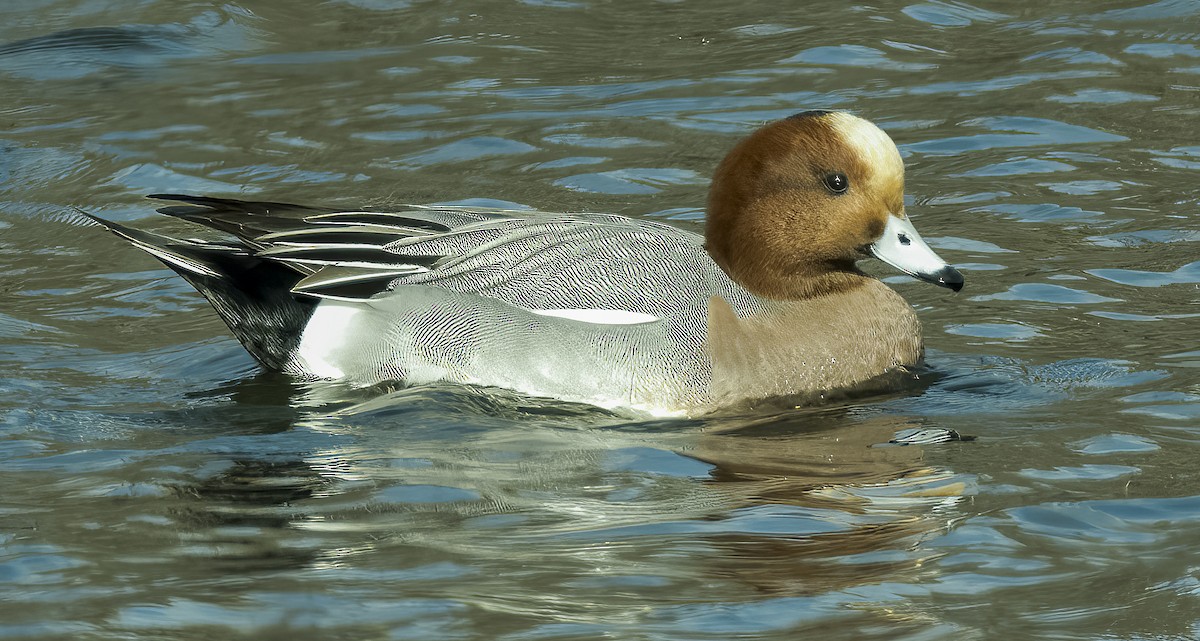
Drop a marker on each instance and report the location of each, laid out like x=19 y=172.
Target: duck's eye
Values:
x=837 y=182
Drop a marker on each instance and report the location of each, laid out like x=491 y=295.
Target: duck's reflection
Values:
x=795 y=503
x=873 y=501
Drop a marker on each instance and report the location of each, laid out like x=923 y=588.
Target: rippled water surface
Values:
x=156 y=485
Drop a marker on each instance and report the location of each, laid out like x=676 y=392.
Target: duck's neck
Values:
x=779 y=276
x=800 y=283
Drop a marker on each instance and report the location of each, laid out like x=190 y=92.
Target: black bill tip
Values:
x=947 y=277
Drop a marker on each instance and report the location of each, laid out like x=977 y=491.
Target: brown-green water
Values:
x=155 y=485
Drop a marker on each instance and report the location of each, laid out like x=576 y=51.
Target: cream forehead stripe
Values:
x=872 y=144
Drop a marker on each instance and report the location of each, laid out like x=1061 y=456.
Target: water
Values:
x=157 y=486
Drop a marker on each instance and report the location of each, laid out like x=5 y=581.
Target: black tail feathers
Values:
x=252 y=295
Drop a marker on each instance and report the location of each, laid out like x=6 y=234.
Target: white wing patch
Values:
x=599 y=316
x=324 y=335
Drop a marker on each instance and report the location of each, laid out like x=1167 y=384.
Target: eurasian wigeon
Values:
x=594 y=308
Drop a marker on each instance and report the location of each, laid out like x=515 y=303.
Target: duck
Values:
x=613 y=311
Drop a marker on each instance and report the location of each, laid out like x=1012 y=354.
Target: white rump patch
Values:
x=324 y=335
x=599 y=316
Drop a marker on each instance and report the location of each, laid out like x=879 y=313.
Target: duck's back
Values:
x=578 y=262
x=596 y=308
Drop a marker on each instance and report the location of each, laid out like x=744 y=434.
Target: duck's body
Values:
x=595 y=308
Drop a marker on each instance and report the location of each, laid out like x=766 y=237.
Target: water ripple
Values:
x=1050 y=156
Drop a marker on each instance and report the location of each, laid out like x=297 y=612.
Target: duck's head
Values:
x=798 y=202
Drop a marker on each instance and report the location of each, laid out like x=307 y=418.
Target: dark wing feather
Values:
x=252 y=207
x=321 y=235
x=397 y=219
x=247 y=220
x=341 y=254
x=351 y=282
x=369 y=256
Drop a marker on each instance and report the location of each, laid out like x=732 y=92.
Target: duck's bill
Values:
x=902 y=247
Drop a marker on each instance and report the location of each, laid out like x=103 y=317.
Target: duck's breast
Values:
x=812 y=345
